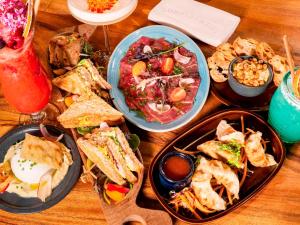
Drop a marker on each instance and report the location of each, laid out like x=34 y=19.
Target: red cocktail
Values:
x=23 y=80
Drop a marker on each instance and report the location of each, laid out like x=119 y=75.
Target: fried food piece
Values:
x=264 y=51
x=245 y=46
x=280 y=68
x=219 y=62
x=227 y=50
x=203 y=189
x=39 y=150
x=256 y=153
x=224 y=175
x=214 y=149
x=227 y=133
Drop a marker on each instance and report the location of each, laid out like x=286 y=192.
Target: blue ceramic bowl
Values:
x=169 y=184
x=245 y=90
x=113 y=76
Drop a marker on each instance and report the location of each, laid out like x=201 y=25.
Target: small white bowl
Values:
x=120 y=11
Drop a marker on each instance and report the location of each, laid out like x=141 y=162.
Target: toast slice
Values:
x=82 y=79
x=88 y=110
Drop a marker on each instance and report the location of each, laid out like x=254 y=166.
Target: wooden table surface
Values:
x=267 y=20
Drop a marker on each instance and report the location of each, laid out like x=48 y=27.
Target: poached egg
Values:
x=26 y=170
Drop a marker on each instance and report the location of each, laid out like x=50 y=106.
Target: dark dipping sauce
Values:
x=176 y=168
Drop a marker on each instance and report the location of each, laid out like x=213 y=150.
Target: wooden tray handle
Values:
x=148 y=216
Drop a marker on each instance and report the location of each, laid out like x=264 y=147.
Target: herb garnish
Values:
x=170 y=50
x=87 y=49
x=133 y=140
x=197 y=162
x=177 y=70
x=234 y=148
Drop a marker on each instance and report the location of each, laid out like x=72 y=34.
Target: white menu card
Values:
x=208 y=24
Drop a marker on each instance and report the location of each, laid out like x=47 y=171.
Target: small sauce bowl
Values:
x=245 y=90
x=176 y=170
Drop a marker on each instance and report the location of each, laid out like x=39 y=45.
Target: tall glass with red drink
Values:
x=24 y=81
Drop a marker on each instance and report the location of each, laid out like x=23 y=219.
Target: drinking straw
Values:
x=291 y=66
x=32 y=11
x=28 y=24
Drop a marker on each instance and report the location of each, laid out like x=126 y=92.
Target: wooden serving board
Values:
x=126 y=210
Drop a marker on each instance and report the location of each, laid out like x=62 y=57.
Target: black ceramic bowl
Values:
x=14 y=203
x=170 y=184
x=245 y=90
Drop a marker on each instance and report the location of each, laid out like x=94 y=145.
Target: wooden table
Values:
x=268 y=20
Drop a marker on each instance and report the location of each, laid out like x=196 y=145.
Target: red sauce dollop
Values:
x=176 y=168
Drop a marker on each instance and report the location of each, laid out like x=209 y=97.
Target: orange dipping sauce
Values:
x=176 y=168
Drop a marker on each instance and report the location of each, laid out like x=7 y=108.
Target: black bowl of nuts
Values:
x=249 y=76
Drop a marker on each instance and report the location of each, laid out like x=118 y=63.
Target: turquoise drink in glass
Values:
x=284 y=112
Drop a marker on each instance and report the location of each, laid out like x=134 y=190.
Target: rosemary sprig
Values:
x=149 y=56
x=169 y=50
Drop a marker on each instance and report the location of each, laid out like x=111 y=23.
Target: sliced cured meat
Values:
x=153 y=87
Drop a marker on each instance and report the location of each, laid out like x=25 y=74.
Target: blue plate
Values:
x=171 y=35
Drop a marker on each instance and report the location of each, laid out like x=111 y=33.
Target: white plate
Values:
x=120 y=11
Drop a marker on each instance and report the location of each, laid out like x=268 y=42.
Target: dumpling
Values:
x=203 y=189
x=225 y=175
x=214 y=149
x=227 y=133
x=256 y=153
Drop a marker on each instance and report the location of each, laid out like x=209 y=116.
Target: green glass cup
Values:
x=284 y=111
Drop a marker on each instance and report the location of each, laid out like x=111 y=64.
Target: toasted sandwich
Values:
x=98 y=153
x=82 y=79
x=118 y=136
x=110 y=151
x=89 y=110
